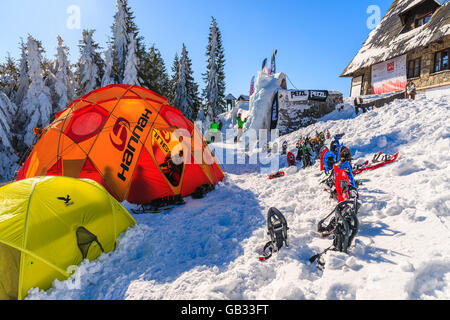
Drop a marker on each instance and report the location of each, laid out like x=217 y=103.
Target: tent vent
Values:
x=85 y=239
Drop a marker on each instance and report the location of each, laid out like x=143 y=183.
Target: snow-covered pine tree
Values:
x=131 y=72
x=7 y=156
x=186 y=90
x=182 y=101
x=37 y=105
x=90 y=65
x=154 y=73
x=120 y=40
x=9 y=73
x=107 y=76
x=173 y=79
x=214 y=92
x=23 y=82
x=64 y=79
x=123 y=29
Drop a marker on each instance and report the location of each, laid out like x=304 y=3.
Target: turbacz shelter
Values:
x=411 y=42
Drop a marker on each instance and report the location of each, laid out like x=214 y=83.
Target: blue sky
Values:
x=315 y=39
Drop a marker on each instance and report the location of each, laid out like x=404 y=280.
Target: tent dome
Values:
x=48 y=224
x=124 y=137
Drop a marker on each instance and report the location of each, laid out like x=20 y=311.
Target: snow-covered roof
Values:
x=387 y=41
x=243 y=97
x=230 y=97
x=415 y=3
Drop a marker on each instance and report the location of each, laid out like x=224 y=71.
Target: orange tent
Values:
x=129 y=140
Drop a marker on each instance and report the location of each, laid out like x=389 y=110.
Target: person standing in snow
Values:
x=410 y=90
x=356 y=103
x=240 y=124
x=214 y=129
x=214 y=126
x=359 y=105
x=220 y=125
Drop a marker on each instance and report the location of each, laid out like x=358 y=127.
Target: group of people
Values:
x=217 y=126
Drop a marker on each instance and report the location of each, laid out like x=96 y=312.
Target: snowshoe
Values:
x=279 y=174
x=388 y=159
x=323 y=151
x=291 y=159
x=299 y=154
x=343 y=228
x=201 y=191
x=329 y=160
x=306 y=161
x=376 y=157
x=345 y=155
x=345 y=188
x=277 y=230
x=160 y=205
x=284 y=148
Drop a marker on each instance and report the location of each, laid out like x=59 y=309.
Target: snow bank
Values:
x=208 y=249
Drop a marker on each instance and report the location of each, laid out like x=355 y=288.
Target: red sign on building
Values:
x=391 y=66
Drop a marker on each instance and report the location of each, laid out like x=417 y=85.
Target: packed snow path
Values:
x=208 y=249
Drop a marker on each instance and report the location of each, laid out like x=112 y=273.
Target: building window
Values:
x=423 y=20
x=441 y=60
x=414 y=68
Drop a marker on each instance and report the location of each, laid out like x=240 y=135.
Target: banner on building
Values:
x=389 y=76
x=298 y=95
x=275 y=111
x=318 y=95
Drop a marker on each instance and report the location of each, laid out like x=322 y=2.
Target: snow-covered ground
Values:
x=208 y=249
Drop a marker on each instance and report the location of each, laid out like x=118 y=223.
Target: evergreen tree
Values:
x=90 y=65
x=107 y=76
x=131 y=73
x=64 y=79
x=9 y=74
x=123 y=29
x=214 y=92
x=37 y=105
x=173 y=80
x=7 y=156
x=154 y=73
x=186 y=90
x=23 y=81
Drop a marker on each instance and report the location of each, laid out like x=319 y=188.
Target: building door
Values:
x=356 y=86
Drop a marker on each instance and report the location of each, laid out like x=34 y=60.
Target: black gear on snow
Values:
x=160 y=205
x=277 y=230
x=284 y=148
x=342 y=228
